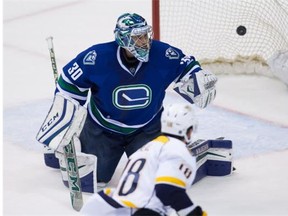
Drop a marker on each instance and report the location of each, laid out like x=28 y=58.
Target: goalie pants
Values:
x=109 y=147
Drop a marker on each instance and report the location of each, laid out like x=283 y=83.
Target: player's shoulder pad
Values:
x=99 y=51
x=175 y=148
x=162 y=139
x=166 y=51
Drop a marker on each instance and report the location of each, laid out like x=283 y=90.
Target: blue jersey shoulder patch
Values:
x=172 y=53
x=90 y=58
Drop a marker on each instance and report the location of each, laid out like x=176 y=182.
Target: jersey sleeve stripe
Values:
x=71 y=88
x=107 y=191
x=128 y=204
x=170 y=180
x=74 y=96
x=64 y=77
x=192 y=66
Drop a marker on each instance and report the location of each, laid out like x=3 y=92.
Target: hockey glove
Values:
x=199 y=87
x=197 y=212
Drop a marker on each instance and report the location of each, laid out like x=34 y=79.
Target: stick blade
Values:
x=76 y=201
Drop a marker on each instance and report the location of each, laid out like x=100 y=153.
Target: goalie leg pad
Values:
x=87 y=164
x=214 y=158
x=65 y=118
x=219 y=161
x=50 y=158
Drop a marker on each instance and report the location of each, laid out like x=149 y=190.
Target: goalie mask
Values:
x=134 y=34
x=179 y=120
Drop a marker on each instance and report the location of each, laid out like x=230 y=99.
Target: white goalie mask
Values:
x=178 y=119
x=134 y=34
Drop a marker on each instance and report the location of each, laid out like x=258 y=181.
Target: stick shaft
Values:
x=69 y=150
x=52 y=58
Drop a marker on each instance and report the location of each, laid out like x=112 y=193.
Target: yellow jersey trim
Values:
x=171 y=180
x=107 y=191
x=162 y=139
x=128 y=204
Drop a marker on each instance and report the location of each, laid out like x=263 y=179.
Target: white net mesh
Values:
x=231 y=36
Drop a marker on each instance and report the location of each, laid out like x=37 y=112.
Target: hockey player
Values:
x=127 y=79
x=156 y=176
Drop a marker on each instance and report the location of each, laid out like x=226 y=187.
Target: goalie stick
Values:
x=69 y=150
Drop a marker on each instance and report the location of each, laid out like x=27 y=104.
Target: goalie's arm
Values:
x=196 y=85
x=66 y=87
x=75 y=79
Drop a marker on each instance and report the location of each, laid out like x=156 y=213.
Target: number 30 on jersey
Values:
x=75 y=71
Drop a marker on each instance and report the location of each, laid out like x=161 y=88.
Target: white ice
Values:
x=252 y=111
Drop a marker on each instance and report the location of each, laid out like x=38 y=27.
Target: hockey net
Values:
x=227 y=36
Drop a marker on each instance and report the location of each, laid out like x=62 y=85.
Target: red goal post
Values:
x=228 y=36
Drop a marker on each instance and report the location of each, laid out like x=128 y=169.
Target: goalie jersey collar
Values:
x=130 y=66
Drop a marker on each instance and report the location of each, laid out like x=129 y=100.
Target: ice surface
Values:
x=249 y=110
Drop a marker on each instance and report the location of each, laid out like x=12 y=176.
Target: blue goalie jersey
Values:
x=122 y=100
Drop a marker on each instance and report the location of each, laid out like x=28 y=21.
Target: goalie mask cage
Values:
x=226 y=36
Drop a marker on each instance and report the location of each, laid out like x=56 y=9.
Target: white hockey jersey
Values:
x=165 y=160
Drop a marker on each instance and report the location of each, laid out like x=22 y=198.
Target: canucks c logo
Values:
x=132 y=96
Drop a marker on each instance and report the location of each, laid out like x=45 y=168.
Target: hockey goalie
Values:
x=127 y=89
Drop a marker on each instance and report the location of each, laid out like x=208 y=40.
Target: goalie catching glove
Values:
x=65 y=119
x=198 y=88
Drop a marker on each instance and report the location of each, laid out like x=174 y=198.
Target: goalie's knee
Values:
x=50 y=159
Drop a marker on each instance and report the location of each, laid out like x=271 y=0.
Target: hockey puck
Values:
x=241 y=30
